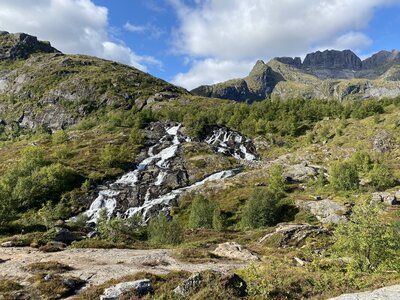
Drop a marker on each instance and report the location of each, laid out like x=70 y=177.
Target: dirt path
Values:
x=99 y=265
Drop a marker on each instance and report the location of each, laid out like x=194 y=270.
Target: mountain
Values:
x=41 y=87
x=326 y=75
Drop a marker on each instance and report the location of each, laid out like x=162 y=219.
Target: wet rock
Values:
x=326 y=211
x=289 y=235
x=140 y=287
x=189 y=285
x=234 y=250
x=383 y=142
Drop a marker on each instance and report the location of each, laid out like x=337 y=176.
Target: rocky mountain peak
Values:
x=333 y=59
x=381 y=58
x=22 y=45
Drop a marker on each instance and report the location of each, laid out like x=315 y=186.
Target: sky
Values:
x=195 y=42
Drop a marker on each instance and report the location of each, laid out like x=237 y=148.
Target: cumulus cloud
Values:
x=149 y=29
x=247 y=30
x=72 y=26
x=211 y=71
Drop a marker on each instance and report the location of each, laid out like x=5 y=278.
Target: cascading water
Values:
x=158 y=161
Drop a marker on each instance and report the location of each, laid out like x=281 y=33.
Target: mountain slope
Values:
x=330 y=74
x=39 y=86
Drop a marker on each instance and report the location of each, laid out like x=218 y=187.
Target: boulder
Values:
x=7 y=244
x=383 y=142
x=326 y=211
x=386 y=293
x=64 y=235
x=301 y=172
x=385 y=197
x=189 y=285
x=235 y=283
x=234 y=250
x=140 y=287
x=287 y=235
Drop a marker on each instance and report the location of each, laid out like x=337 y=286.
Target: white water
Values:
x=164 y=201
x=107 y=198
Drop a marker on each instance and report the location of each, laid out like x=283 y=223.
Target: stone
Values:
x=235 y=283
x=326 y=211
x=383 y=142
x=66 y=236
x=301 y=172
x=386 y=293
x=390 y=198
x=140 y=287
x=189 y=285
x=8 y=244
x=292 y=234
x=234 y=250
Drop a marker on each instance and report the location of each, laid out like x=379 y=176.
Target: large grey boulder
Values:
x=326 y=211
x=386 y=293
x=140 y=287
x=390 y=198
x=286 y=235
x=234 y=250
x=189 y=285
x=383 y=142
x=301 y=172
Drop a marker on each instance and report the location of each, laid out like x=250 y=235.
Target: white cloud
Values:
x=149 y=29
x=134 y=28
x=252 y=29
x=210 y=71
x=72 y=26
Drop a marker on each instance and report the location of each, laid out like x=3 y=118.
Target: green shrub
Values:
x=164 y=232
x=343 y=176
x=59 y=137
x=277 y=182
x=261 y=209
x=371 y=242
x=201 y=213
x=381 y=177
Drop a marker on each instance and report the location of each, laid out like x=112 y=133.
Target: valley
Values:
x=114 y=182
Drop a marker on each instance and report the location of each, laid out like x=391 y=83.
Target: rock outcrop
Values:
x=390 y=198
x=21 y=46
x=138 y=287
x=292 y=235
x=233 y=250
x=386 y=293
x=162 y=175
x=326 y=211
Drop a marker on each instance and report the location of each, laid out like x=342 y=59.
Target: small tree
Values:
x=277 y=182
x=370 y=242
x=381 y=177
x=344 y=176
x=163 y=231
x=261 y=209
x=201 y=213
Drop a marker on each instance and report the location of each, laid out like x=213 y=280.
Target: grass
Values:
x=48 y=267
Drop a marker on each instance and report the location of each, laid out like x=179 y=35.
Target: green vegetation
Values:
x=163 y=231
x=344 y=176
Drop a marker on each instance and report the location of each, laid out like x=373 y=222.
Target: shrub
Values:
x=370 y=242
x=381 y=177
x=201 y=213
x=277 y=182
x=165 y=232
x=261 y=209
x=110 y=156
x=344 y=176
x=59 y=137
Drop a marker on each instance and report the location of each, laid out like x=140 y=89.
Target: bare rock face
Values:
x=326 y=211
x=386 y=293
x=301 y=172
x=140 y=287
x=383 y=142
x=21 y=46
x=332 y=59
x=234 y=251
x=292 y=235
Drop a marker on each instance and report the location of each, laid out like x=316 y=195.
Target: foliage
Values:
x=59 y=137
x=120 y=230
x=203 y=213
x=261 y=209
x=362 y=161
x=371 y=242
x=162 y=231
x=277 y=182
x=381 y=177
x=343 y=176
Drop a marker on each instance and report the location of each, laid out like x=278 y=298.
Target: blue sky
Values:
x=193 y=42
